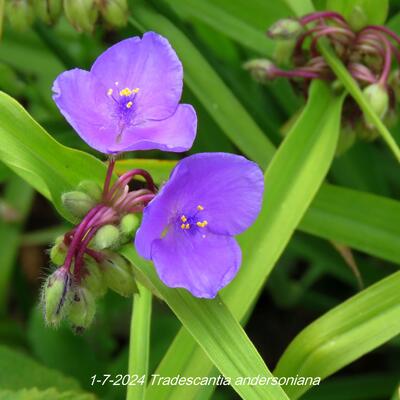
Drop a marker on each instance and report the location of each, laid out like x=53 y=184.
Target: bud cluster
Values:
x=82 y=14
x=368 y=52
x=86 y=257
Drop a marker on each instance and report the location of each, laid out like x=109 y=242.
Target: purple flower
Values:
x=129 y=100
x=187 y=228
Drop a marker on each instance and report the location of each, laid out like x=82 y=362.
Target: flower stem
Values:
x=110 y=169
x=139 y=343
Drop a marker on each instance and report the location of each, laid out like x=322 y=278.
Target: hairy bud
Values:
x=93 y=279
x=378 y=99
x=82 y=309
x=19 y=14
x=55 y=296
x=128 y=226
x=106 y=237
x=285 y=29
x=118 y=274
x=77 y=203
x=82 y=14
x=260 y=69
x=115 y=12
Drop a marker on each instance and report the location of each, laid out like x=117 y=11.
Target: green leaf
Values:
x=208 y=87
x=33 y=154
x=344 y=334
x=20 y=371
x=217 y=332
x=291 y=181
x=49 y=394
x=344 y=215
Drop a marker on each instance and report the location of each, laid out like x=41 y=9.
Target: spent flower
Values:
x=188 y=228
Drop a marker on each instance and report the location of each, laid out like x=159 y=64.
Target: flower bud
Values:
x=128 y=226
x=106 y=237
x=59 y=251
x=77 y=203
x=82 y=309
x=55 y=296
x=260 y=69
x=93 y=279
x=118 y=274
x=19 y=14
x=347 y=138
x=82 y=14
x=115 y=12
x=92 y=189
x=284 y=29
x=378 y=99
x=48 y=10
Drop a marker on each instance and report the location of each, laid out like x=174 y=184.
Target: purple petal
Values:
x=175 y=133
x=202 y=265
x=149 y=64
x=82 y=100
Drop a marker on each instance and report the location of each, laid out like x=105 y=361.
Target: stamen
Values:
x=187 y=226
x=129 y=104
x=183 y=218
x=183 y=226
x=200 y=208
x=202 y=224
x=135 y=90
x=125 y=92
x=109 y=92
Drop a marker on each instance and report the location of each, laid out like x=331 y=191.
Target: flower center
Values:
x=192 y=222
x=124 y=104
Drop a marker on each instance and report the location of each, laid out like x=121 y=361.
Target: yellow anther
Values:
x=187 y=226
x=135 y=90
x=109 y=92
x=183 y=226
x=129 y=104
x=125 y=92
x=205 y=223
x=200 y=208
x=202 y=224
x=183 y=218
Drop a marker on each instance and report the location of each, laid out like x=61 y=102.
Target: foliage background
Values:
x=344 y=231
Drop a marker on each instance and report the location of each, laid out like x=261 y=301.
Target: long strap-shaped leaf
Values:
x=291 y=181
x=345 y=333
x=216 y=330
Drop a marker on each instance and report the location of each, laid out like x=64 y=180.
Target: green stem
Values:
x=139 y=344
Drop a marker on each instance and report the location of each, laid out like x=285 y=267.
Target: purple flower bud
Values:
x=188 y=228
x=129 y=100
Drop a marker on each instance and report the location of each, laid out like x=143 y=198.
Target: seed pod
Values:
x=115 y=12
x=48 y=10
x=82 y=309
x=93 y=279
x=77 y=203
x=106 y=237
x=55 y=296
x=82 y=14
x=59 y=251
x=92 y=189
x=118 y=274
x=19 y=14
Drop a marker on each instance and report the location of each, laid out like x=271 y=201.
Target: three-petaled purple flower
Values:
x=129 y=100
x=187 y=229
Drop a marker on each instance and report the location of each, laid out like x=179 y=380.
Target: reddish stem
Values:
x=322 y=15
x=110 y=169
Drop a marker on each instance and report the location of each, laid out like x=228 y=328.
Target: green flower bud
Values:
x=115 y=12
x=378 y=99
x=118 y=274
x=19 y=14
x=260 y=69
x=128 y=226
x=106 y=237
x=82 y=309
x=59 y=251
x=92 y=189
x=55 y=296
x=77 y=203
x=82 y=14
x=48 y=10
x=284 y=29
x=93 y=279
